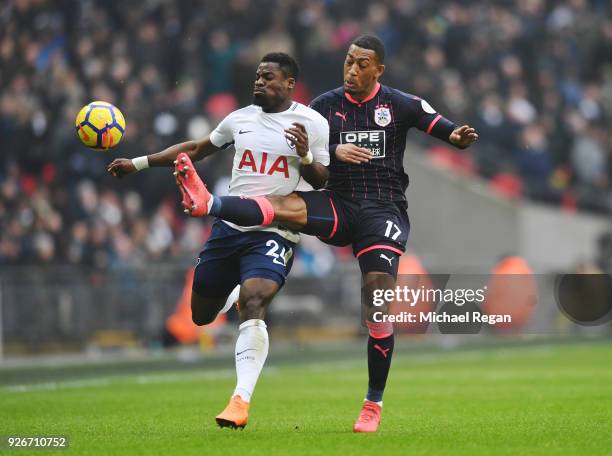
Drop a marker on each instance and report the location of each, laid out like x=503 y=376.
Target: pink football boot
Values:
x=195 y=194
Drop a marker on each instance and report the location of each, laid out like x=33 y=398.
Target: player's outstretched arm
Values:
x=313 y=172
x=196 y=150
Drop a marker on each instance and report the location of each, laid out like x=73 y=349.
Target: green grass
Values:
x=554 y=399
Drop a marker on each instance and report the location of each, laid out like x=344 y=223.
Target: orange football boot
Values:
x=235 y=415
x=369 y=418
x=195 y=194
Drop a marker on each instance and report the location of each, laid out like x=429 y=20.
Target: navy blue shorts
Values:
x=230 y=257
x=361 y=223
x=377 y=230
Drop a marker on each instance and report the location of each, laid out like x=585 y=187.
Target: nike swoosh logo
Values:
x=241 y=132
x=240 y=353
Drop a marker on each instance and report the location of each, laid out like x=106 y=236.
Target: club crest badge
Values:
x=382 y=115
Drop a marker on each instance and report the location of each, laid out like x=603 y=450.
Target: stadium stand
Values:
x=536 y=81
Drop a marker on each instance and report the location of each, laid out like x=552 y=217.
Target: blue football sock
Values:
x=379 y=363
x=238 y=210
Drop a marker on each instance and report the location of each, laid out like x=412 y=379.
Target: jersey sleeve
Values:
x=319 y=144
x=427 y=119
x=223 y=135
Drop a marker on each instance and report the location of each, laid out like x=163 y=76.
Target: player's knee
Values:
x=375 y=284
x=379 y=265
x=200 y=319
x=203 y=312
x=290 y=208
x=255 y=297
x=254 y=303
x=297 y=206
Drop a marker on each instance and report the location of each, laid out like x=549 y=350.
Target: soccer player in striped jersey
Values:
x=364 y=202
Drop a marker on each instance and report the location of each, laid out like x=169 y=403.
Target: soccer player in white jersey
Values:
x=277 y=141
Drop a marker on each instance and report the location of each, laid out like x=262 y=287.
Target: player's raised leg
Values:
x=251 y=349
x=309 y=212
x=198 y=201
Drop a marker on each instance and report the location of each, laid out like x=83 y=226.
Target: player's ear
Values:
x=380 y=70
x=291 y=83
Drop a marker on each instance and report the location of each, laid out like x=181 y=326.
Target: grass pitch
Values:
x=552 y=399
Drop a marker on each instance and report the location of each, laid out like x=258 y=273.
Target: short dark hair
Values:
x=371 y=42
x=285 y=62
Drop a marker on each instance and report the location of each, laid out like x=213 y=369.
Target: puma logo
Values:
x=341 y=115
x=384 y=351
x=385 y=257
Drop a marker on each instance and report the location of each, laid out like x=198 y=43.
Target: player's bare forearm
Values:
x=196 y=150
x=315 y=174
x=442 y=128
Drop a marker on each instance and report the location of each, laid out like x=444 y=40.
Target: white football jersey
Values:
x=265 y=162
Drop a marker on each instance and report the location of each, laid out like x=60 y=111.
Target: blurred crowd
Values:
x=533 y=76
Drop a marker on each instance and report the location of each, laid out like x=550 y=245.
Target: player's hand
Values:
x=350 y=153
x=463 y=136
x=298 y=136
x=121 y=167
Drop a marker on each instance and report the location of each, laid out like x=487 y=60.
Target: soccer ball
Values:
x=100 y=125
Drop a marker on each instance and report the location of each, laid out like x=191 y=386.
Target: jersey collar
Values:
x=292 y=107
x=366 y=99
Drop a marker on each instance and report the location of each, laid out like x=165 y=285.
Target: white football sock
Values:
x=251 y=353
x=231 y=299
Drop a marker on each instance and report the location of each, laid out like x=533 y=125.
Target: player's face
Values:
x=361 y=71
x=272 y=88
